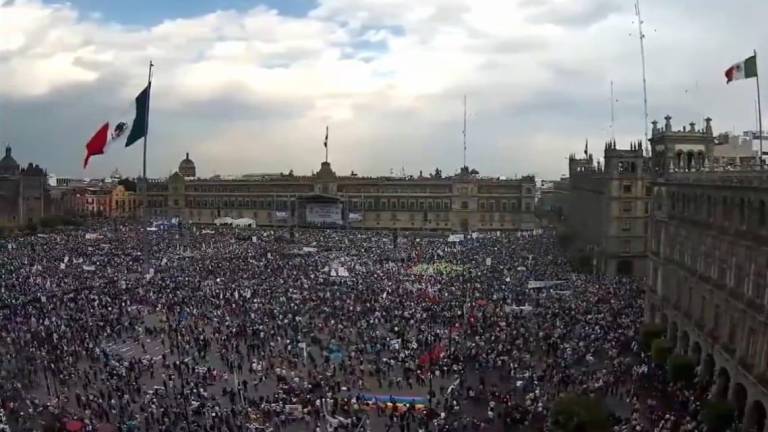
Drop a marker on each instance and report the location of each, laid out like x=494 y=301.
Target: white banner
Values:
x=355 y=217
x=455 y=237
x=324 y=213
x=543 y=284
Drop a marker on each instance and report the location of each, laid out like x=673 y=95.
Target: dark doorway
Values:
x=624 y=268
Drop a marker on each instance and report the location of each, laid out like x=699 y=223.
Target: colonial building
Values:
x=124 y=203
x=708 y=269
x=608 y=206
x=464 y=202
x=24 y=194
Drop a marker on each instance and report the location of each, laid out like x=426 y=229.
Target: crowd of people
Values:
x=122 y=328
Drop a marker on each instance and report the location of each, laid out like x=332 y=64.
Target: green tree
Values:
x=681 y=369
x=718 y=415
x=30 y=227
x=649 y=332
x=660 y=351
x=574 y=413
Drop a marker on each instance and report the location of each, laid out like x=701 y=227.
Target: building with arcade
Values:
x=462 y=202
x=708 y=269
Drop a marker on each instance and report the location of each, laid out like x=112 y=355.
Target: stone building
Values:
x=463 y=202
x=608 y=207
x=24 y=196
x=708 y=268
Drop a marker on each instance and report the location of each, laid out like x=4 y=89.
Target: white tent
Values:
x=243 y=222
x=223 y=221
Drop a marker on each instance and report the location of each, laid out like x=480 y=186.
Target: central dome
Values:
x=187 y=168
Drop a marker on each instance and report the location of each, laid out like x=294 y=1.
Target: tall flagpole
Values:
x=146 y=123
x=759 y=111
x=145 y=238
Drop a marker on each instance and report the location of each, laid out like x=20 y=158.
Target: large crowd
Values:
x=174 y=329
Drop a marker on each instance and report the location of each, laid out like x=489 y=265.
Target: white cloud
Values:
x=253 y=90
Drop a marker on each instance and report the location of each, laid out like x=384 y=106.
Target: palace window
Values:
x=626 y=246
x=626 y=226
x=761 y=217
x=464 y=205
x=627 y=188
x=482 y=205
x=626 y=207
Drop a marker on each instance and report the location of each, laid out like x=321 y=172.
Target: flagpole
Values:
x=759 y=111
x=145 y=238
x=146 y=123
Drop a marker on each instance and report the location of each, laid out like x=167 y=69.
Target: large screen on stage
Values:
x=324 y=213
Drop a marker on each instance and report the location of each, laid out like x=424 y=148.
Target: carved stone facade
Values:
x=609 y=206
x=708 y=269
x=24 y=196
x=464 y=202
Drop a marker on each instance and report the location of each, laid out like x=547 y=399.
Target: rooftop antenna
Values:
x=464 y=132
x=641 y=35
x=613 y=134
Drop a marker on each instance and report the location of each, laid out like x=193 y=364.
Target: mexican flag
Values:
x=742 y=70
x=117 y=129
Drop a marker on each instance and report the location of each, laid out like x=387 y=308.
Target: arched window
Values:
x=742 y=211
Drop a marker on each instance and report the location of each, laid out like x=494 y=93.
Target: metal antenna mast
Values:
x=464 y=132
x=613 y=134
x=642 y=58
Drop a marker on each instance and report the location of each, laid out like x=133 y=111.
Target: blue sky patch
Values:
x=152 y=12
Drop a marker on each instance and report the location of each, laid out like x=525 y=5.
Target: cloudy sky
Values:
x=248 y=86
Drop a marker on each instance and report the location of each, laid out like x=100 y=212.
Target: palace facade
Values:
x=463 y=202
x=708 y=269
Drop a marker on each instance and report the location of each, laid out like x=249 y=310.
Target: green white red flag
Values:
x=742 y=70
